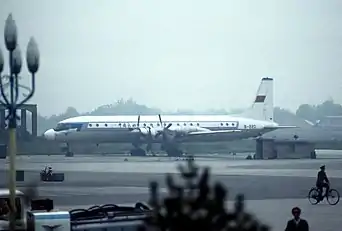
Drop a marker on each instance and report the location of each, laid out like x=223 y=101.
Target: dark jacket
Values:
x=292 y=226
x=322 y=177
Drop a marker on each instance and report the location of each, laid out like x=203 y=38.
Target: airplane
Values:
x=331 y=122
x=170 y=130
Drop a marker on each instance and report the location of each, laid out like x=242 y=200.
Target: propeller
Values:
x=148 y=137
x=165 y=130
x=149 y=140
x=138 y=121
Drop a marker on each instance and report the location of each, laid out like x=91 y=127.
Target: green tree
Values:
x=317 y=112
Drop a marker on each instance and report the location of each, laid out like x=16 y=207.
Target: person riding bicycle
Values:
x=322 y=182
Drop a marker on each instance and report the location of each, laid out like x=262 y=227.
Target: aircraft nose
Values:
x=50 y=134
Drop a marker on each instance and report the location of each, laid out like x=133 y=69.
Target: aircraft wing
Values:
x=203 y=136
x=204 y=133
x=280 y=127
x=286 y=126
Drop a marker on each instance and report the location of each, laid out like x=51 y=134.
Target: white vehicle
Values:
x=4 y=210
x=28 y=219
x=170 y=130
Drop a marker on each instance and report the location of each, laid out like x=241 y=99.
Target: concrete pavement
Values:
x=272 y=187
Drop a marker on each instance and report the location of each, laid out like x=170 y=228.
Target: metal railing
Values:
x=109 y=217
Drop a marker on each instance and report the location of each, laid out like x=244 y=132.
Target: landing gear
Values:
x=172 y=150
x=66 y=149
x=69 y=154
x=138 y=152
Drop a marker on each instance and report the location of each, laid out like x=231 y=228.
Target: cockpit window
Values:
x=66 y=126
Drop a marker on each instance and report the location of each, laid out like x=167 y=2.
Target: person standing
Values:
x=297 y=223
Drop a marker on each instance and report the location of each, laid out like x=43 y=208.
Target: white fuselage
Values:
x=103 y=129
x=255 y=121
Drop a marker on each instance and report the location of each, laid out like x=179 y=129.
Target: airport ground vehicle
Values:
x=333 y=196
x=20 y=207
x=42 y=215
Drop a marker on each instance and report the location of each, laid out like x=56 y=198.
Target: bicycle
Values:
x=314 y=197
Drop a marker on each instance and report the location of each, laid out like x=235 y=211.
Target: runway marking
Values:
x=84 y=191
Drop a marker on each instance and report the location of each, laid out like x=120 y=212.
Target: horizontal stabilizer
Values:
x=310 y=123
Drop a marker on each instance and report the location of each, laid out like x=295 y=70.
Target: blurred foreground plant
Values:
x=197 y=206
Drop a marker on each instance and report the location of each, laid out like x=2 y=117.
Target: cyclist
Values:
x=322 y=182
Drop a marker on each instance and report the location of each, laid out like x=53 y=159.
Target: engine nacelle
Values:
x=145 y=131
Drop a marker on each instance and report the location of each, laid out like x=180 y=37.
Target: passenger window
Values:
x=184 y=124
x=190 y=124
x=97 y=125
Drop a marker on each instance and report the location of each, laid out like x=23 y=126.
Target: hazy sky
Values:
x=181 y=53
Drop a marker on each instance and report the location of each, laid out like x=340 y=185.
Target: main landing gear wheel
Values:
x=174 y=152
x=69 y=154
x=67 y=151
x=138 y=152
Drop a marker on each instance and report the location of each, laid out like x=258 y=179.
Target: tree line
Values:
x=131 y=107
x=317 y=112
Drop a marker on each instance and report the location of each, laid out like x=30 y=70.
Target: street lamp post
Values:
x=12 y=102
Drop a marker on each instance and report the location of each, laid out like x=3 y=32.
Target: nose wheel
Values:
x=67 y=151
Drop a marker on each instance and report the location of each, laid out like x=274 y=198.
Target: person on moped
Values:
x=322 y=182
x=48 y=171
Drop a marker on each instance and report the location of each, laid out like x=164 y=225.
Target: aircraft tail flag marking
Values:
x=260 y=99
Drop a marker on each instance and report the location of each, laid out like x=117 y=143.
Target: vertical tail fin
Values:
x=262 y=107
